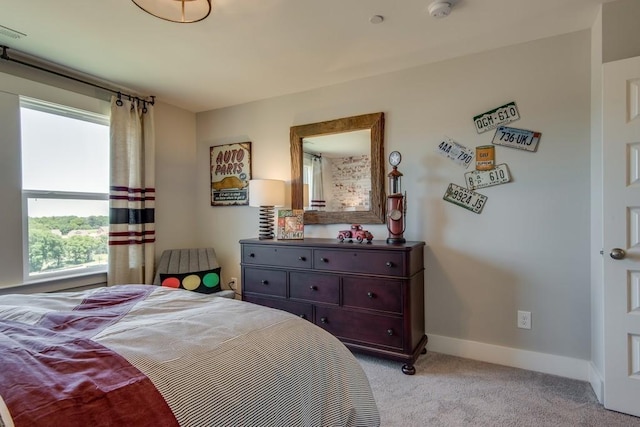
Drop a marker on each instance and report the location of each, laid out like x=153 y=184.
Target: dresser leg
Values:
x=424 y=351
x=408 y=369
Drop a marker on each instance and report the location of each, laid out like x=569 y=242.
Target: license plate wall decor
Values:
x=465 y=198
x=496 y=117
x=458 y=153
x=481 y=179
x=517 y=138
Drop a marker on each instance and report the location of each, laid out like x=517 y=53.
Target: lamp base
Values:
x=266 y=223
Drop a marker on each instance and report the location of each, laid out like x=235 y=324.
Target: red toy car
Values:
x=357 y=233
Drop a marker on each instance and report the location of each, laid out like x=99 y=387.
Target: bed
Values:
x=141 y=355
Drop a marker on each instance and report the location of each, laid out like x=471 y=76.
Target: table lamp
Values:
x=266 y=194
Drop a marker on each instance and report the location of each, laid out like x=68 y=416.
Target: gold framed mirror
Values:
x=371 y=211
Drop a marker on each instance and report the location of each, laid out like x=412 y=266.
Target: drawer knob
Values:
x=324 y=320
x=390 y=332
x=324 y=260
x=389 y=264
x=371 y=294
x=252 y=255
x=313 y=287
x=265 y=282
x=302 y=258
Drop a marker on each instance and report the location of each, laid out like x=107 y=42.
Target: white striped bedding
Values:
x=223 y=362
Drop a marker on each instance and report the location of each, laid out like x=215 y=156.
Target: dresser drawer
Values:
x=312 y=287
x=267 y=282
x=363 y=261
x=372 y=294
x=361 y=328
x=299 y=309
x=276 y=256
x=368 y=295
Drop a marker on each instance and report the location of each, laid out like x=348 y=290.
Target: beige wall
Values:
x=620 y=30
x=176 y=194
x=528 y=250
x=10 y=191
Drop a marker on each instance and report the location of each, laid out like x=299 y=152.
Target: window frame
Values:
x=78 y=114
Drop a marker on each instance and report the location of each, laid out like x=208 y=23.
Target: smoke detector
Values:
x=439 y=9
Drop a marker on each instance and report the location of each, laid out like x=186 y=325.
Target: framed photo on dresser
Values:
x=290 y=224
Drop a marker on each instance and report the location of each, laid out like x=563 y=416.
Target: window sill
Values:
x=57 y=284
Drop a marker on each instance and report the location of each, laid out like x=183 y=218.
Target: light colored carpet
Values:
x=451 y=391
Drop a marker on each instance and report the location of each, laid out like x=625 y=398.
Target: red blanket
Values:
x=54 y=374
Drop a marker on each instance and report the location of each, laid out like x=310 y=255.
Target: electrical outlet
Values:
x=233 y=282
x=524 y=319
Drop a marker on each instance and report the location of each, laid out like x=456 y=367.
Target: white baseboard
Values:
x=595 y=378
x=563 y=366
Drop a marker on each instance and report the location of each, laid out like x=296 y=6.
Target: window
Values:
x=65 y=190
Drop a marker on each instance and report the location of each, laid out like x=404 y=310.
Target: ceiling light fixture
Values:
x=182 y=11
x=439 y=9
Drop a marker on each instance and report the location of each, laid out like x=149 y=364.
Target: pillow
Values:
x=206 y=282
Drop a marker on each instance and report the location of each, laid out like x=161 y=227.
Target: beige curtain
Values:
x=132 y=193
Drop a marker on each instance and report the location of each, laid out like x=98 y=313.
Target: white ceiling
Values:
x=254 y=49
x=354 y=143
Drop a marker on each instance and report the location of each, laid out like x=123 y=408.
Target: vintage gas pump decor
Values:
x=396 y=202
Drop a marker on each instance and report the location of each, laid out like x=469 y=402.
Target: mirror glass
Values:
x=337 y=173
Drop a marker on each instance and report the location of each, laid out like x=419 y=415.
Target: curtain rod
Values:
x=120 y=94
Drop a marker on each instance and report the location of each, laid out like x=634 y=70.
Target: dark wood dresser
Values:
x=369 y=295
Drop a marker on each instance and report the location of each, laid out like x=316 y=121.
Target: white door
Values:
x=621 y=221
